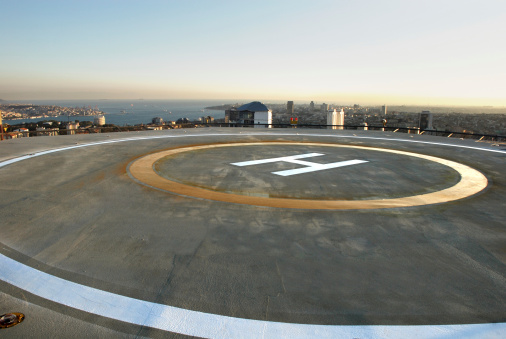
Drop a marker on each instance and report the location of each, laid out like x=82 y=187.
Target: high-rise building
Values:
x=384 y=110
x=426 y=120
x=311 y=106
x=324 y=107
x=335 y=118
x=289 y=107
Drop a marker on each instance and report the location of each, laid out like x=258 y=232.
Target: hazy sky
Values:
x=343 y=51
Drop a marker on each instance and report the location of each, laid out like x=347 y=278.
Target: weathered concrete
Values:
x=78 y=215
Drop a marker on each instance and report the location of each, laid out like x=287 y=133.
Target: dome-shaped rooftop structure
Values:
x=255 y=106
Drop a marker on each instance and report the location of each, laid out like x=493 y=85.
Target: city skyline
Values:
x=366 y=52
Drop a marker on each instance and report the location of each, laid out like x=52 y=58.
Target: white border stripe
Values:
x=173 y=319
x=11 y=161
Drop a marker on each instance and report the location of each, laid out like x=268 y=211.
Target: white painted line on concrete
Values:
x=279 y=159
x=173 y=319
x=194 y=323
x=386 y=139
x=313 y=167
x=14 y=160
x=294 y=159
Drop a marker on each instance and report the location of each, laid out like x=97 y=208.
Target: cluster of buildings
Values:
x=158 y=123
x=29 y=111
x=48 y=128
x=360 y=117
x=258 y=115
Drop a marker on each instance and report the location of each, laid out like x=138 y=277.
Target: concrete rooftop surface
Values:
x=253 y=233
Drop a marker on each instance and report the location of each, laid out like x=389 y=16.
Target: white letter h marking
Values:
x=294 y=159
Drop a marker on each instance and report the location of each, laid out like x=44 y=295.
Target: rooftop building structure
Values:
x=253 y=114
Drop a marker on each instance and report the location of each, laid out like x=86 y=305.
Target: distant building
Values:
x=207 y=119
x=254 y=114
x=157 y=121
x=289 y=107
x=335 y=118
x=425 y=121
x=384 y=110
x=99 y=120
x=42 y=131
x=311 y=106
x=324 y=107
x=22 y=132
x=231 y=115
x=72 y=128
x=183 y=121
x=12 y=135
x=1 y=127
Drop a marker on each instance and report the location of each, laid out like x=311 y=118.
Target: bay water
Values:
x=133 y=112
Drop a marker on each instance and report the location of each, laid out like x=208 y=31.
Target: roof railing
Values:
x=393 y=129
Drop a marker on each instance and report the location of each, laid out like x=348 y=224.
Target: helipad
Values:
x=144 y=170
x=240 y=233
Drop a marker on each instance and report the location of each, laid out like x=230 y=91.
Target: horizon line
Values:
x=263 y=101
